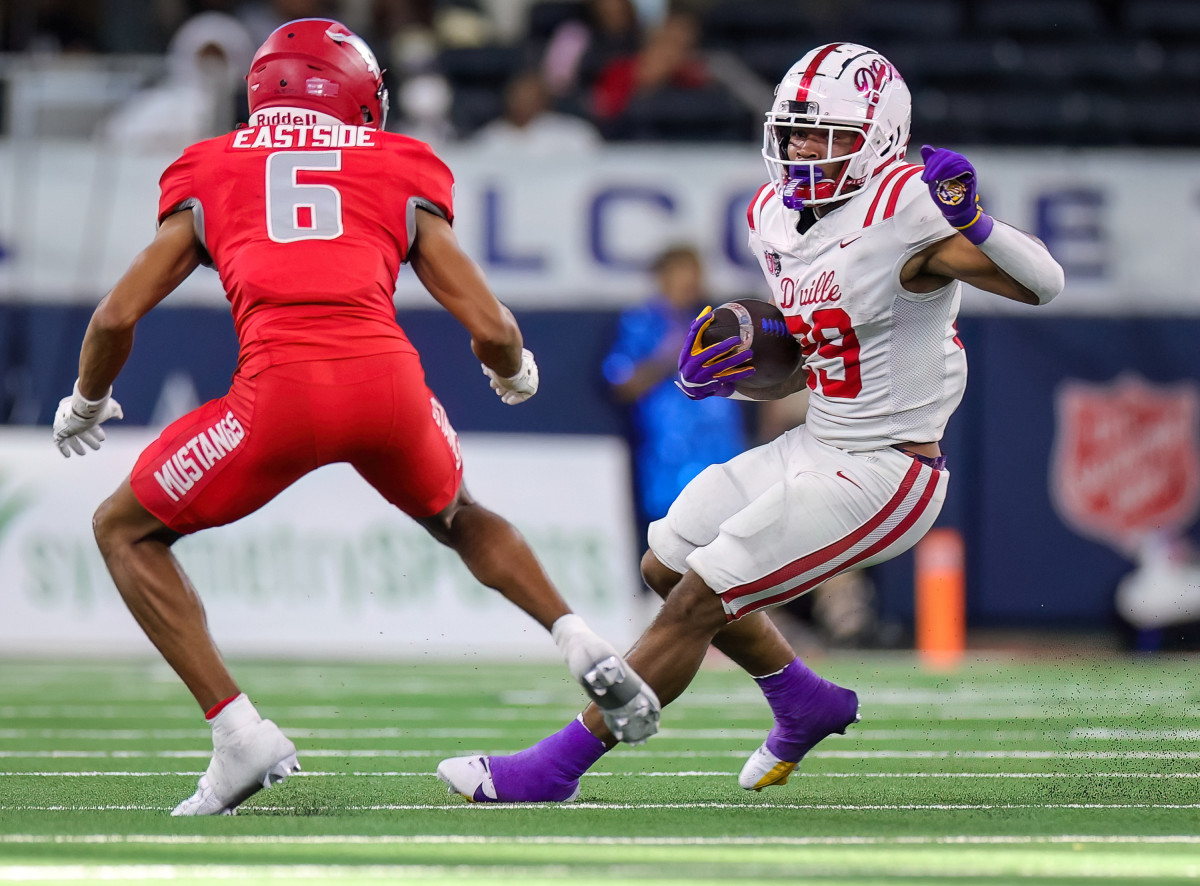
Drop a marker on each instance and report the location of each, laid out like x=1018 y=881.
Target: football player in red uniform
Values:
x=307 y=215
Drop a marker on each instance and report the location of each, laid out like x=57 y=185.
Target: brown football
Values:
x=761 y=327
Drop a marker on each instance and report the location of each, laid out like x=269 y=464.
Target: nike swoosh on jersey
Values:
x=846 y=243
x=847 y=479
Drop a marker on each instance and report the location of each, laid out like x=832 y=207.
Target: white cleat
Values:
x=630 y=708
x=245 y=760
x=471 y=778
x=764 y=769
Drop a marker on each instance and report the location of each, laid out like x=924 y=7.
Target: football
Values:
x=761 y=326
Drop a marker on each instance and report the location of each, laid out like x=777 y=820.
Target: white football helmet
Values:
x=837 y=87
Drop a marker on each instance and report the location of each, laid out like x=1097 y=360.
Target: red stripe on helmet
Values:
x=811 y=71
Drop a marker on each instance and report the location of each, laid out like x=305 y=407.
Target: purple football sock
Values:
x=549 y=771
x=807 y=708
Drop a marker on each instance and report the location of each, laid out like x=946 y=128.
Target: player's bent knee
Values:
x=441 y=525
x=122 y=520
x=109 y=524
x=695 y=603
x=657 y=576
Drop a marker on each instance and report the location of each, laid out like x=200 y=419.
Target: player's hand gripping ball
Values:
x=761 y=330
x=712 y=369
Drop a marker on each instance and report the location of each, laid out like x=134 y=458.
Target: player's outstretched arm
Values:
x=458 y=285
x=988 y=254
x=152 y=276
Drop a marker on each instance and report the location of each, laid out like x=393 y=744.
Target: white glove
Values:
x=516 y=388
x=78 y=421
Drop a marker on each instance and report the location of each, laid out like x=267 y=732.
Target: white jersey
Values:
x=885 y=365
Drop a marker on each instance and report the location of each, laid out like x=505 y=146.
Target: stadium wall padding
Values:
x=1025 y=565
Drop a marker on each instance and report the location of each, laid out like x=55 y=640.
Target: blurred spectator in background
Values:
x=423 y=105
x=52 y=27
x=206 y=68
x=672 y=438
x=531 y=126
x=578 y=50
x=669 y=59
x=261 y=17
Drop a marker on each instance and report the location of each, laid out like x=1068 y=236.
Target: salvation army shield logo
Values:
x=1126 y=459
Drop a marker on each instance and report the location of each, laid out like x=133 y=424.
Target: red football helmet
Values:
x=320 y=65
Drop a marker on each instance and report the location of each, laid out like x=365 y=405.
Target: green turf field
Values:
x=1005 y=771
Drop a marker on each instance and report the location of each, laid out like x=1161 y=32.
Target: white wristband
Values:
x=85 y=408
x=1025 y=260
x=567 y=626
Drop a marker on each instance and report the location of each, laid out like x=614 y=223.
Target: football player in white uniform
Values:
x=863 y=254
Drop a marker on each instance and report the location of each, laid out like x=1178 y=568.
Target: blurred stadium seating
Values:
x=997 y=71
x=1062 y=72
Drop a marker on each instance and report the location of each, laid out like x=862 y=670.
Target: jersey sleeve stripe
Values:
x=750 y=210
x=888 y=179
x=892 y=521
x=898 y=190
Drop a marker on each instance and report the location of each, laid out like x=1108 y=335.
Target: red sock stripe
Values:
x=811 y=71
x=219 y=706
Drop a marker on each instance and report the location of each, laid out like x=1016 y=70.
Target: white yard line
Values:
x=538 y=840
x=481 y=808
x=676 y=734
x=628 y=753
x=657 y=774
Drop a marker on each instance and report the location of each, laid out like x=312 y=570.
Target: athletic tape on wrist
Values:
x=1025 y=260
x=85 y=408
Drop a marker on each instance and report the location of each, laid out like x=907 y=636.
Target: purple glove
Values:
x=951 y=180
x=715 y=370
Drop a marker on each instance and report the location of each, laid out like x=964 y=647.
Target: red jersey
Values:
x=307 y=227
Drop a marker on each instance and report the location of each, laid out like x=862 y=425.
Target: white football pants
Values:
x=774 y=522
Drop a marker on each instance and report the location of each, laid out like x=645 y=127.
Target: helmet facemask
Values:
x=841 y=89
x=807 y=182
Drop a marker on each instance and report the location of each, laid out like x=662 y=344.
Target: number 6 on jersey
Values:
x=298 y=211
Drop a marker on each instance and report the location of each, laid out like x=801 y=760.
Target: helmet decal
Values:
x=359 y=45
x=870 y=79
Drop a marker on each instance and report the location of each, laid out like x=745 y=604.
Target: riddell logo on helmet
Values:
x=264 y=118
